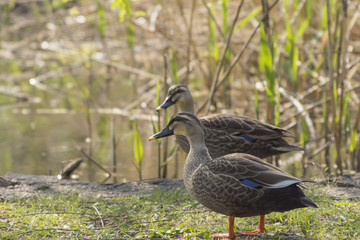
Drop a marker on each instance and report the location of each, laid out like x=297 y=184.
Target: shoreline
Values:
x=14 y=185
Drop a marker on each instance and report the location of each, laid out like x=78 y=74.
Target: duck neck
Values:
x=197 y=155
x=186 y=105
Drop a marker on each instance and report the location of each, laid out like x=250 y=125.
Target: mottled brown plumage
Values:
x=226 y=133
x=236 y=185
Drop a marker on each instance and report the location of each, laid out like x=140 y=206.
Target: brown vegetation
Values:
x=290 y=63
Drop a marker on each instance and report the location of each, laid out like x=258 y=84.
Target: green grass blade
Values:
x=226 y=27
x=301 y=29
x=155 y=130
x=353 y=139
x=266 y=65
x=130 y=35
x=291 y=49
x=174 y=67
x=309 y=9
x=335 y=99
x=101 y=23
x=125 y=11
x=224 y=11
x=158 y=93
x=304 y=135
x=138 y=147
x=294 y=64
x=324 y=23
x=247 y=19
x=124 y=8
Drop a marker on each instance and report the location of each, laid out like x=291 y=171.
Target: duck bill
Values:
x=164 y=133
x=167 y=103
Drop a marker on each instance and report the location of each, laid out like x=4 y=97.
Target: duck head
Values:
x=178 y=95
x=186 y=124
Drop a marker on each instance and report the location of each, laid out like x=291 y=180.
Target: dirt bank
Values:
x=22 y=185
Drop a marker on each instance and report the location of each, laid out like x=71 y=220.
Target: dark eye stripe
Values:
x=183 y=117
x=177 y=90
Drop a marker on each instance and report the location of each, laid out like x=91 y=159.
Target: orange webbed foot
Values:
x=260 y=230
x=230 y=234
x=252 y=233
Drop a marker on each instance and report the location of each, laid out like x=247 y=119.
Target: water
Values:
x=36 y=141
x=41 y=141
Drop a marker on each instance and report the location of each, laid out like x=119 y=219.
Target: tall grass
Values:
x=138 y=150
x=304 y=53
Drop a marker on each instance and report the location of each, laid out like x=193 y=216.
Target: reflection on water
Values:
x=34 y=143
x=42 y=141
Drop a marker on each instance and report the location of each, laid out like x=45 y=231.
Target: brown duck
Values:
x=236 y=185
x=225 y=133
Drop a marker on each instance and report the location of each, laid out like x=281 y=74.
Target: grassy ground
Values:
x=166 y=215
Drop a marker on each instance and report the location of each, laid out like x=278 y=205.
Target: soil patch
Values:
x=23 y=185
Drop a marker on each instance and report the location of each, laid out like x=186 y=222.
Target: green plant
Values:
x=167 y=215
x=266 y=67
x=138 y=150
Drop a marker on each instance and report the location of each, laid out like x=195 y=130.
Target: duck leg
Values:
x=231 y=233
x=261 y=227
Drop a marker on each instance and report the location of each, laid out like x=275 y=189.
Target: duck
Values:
x=235 y=185
x=230 y=133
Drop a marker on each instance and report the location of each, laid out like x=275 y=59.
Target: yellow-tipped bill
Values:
x=159 y=108
x=163 y=133
x=167 y=103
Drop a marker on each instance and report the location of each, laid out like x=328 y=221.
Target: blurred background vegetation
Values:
x=83 y=79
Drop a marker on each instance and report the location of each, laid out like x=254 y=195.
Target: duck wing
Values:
x=250 y=171
x=243 y=126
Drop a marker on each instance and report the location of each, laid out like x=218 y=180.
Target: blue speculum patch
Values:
x=247 y=138
x=250 y=183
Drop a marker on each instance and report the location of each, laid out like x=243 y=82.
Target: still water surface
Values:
x=33 y=143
